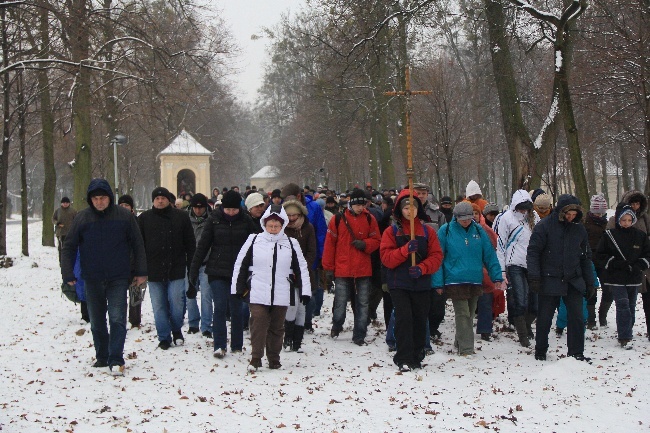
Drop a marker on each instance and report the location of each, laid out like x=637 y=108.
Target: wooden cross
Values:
x=407 y=92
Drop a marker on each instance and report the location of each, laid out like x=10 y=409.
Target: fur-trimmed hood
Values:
x=296 y=203
x=566 y=203
x=634 y=195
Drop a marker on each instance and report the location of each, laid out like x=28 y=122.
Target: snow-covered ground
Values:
x=48 y=384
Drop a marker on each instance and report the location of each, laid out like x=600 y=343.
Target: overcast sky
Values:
x=245 y=18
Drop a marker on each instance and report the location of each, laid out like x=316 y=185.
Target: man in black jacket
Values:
x=559 y=266
x=105 y=235
x=169 y=243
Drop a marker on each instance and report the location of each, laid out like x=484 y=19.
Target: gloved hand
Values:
x=359 y=244
x=415 y=272
x=191 y=291
x=412 y=246
x=591 y=292
x=304 y=299
x=617 y=264
x=534 y=285
x=240 y=296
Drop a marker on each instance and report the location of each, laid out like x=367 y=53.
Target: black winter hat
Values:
x=446 y=200
x=65 y=200
x=276 y=193
x=126 y=199
x=231 y=200
x=199 y=200
x=330 y=200
x=358 y=196
x=160 y=191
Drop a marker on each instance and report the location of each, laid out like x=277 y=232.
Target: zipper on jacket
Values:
x=275 y=259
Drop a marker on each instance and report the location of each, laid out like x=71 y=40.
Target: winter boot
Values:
x=602 y=313
x=298 y=333
x=530 y=318
x=591 y=318
x=522 y=332
x=288 y=334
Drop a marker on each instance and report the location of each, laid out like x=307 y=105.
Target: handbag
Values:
x=136 y=294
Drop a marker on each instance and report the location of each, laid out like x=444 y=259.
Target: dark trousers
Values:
x=547 y=304
x=625 y=298
x=646 y=309
x=411 y=315
x=484 y=317
x=267 y=330
x=135 y=314
x=436 y=310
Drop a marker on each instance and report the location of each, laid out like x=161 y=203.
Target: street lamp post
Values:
x=118 y=139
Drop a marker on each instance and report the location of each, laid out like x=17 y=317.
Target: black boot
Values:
x=591 y=318
x=288 y=334
x=298 y=333
x=530 y=318
x=522 y=332
x=602 y=312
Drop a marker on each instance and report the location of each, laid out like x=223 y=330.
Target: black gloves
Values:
x=359 y=244
x=191 y=291
x=304 y=299
x=591 y=291
x=413 y=246
x=415 y=272
x=534 y=285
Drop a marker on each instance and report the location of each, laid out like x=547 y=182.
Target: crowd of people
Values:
x=262 y=262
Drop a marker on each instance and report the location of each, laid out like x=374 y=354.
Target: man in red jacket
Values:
x=351 y=237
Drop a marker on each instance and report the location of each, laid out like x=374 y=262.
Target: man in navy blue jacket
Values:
x=106 y=235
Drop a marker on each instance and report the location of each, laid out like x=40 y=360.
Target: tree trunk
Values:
x=625 y=168
x=4 y=155
x=604 y=184
x=22 y=141
x=81 y=102
x=111 y=111
x=47 y=125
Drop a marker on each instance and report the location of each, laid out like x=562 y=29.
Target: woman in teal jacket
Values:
x=467 y=249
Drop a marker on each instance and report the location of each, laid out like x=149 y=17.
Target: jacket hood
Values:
x=634 y=195
x=295 y=203
x=278 y=210
x=397 y=213
x=99 y=184
x=624 y=208
x=518 y=197
x=566 y=203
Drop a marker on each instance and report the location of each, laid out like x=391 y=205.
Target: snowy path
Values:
x=48 y=384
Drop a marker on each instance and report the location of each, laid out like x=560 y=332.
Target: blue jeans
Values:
x=204 y=317
x=484 y=318
x=360 y=288
x=108 y=297
x=519 y=298
x=168 y=304
x=625 y=298
x=222 y=299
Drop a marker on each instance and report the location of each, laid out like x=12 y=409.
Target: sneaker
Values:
x=404 y=368
x=207 y=334
x=485 y=337
x=428 y=352
x=254 y=364
x=117 y=370
x=178 y=338
x=235 y=350
x=193 y=330
x=100 y=364
x=625 y=344
x=436 y=335
x=581 y=357
x=559 y=331
x=274 y=365
x=334 y=333
x=219 y=353
x=540 y=357
x=592 y=326
x=416 y=366
x=165 y=344
x=360 y=342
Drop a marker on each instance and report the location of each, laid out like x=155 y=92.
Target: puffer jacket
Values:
x=395 y=256
x=514 y=230
x=221 y=241
x=198 y=224
x=466 y=252
x=269 y=261
x=340 y=255
x=559 y=252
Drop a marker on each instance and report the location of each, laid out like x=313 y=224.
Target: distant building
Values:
x=185 y=166
x=267 y=178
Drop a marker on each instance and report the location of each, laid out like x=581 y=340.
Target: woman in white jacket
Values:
x=514 y=228
x=267 y=267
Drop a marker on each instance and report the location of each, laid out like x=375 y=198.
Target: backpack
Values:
x=341 y=215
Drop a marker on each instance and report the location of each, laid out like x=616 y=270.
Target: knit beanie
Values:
x=126 y=199
x=446 y=200
x=463 y=211
x=160 y=191
x=199 y=200
x=490 y=208
x=625 y=210
x=254 y=199
x=65 y=200
x=358 y=196
x=598 y=204
x=330 y=200
x=472 y=189
x=231 y=200
x=543 y=201
x=276 y=193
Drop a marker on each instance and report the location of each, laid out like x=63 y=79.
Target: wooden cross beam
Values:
x=407 y=92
